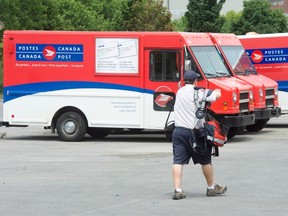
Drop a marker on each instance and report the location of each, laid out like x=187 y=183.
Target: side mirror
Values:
x=177 y=75
x=187 y=65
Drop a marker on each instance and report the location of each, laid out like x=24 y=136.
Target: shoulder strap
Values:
x=166 y=123
x=203 y=101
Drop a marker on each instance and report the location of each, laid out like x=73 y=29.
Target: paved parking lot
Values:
x=131 y=175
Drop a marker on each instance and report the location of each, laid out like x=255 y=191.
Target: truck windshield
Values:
x=210 y=61
x=239 y=60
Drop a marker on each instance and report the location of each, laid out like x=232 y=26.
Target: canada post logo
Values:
x=49 y=52
x=257 y=56
x=268 y=56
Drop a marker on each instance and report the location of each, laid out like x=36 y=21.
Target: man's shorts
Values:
x=182 y=151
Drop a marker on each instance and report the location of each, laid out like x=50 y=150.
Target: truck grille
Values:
x=270 y=97
x=244 y=102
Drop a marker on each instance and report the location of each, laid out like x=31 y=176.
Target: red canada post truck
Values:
x=265 y=89
x=91 y=82
x=269 y=54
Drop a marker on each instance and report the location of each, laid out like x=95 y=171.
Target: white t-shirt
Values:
x=185 y=107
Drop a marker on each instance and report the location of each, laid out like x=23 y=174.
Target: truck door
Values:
x=162 y=77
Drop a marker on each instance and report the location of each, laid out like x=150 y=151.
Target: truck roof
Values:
x=225 y=39
x=192 y=39
x=263 y=35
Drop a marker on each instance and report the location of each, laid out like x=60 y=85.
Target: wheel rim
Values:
x=70 y=127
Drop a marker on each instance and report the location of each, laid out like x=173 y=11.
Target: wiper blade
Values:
x=250 y=71
x=239 y=72
x=211 y=75
x=223 y=74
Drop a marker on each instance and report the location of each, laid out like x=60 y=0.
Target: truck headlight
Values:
x=261 y=94
x=251 y=96
x=234 y=98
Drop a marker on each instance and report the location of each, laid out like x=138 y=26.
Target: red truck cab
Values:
x=265 y=89
x=235 y=108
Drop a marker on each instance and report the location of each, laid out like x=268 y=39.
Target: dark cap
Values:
x=191 y=75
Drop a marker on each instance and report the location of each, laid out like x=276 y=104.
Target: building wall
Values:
x=280 y=4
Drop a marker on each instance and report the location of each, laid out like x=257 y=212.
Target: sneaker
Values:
x=178 y=195
x=216 y=191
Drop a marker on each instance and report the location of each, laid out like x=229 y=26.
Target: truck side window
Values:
x=165 y=65
x=194 y=66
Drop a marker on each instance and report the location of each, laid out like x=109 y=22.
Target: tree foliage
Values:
x=73 y=15
x=147 y=15
x=180 y=24
x=111 y=10
x=257 y=16
x=204 y=15
x=50 y=15
x=29 y=14
x=232 y=18
x=132 y=15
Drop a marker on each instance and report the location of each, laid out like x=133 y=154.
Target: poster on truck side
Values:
x=272 y=58
x=117 y=55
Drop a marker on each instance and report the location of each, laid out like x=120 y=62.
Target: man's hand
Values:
x=218 y=93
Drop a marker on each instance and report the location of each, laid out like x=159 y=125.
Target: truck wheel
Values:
x=259 y=125
x=241 y=130
x=232 y=132
x=98 y=132
x=71 y=126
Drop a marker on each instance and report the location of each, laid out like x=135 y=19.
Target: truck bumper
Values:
x=6 y=124
x=237 y=121
x=2 y=123
x=267 y=113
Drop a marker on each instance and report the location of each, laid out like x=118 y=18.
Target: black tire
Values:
x=232 y=132
x=259 y=125
x=241 y=130
x=71 y=126
x=98 y=133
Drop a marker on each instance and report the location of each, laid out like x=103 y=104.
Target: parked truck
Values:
x=265 y=89
x=75 y=83
x=269 y=55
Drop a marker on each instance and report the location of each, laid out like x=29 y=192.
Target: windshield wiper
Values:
x=223 y=74
x=250 y=71
x=210 y=74
x=239 y=72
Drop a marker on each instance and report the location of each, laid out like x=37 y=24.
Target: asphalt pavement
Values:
x=130 y=174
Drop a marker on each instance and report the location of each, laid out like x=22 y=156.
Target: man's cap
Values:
x=191 y=75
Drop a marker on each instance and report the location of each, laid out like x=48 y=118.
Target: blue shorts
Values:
x=181 y=151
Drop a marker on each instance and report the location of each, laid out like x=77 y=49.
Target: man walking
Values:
x=185 y=121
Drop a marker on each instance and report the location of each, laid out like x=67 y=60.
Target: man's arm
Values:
x=214 y=95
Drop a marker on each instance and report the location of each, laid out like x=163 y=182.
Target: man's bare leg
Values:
x=177 y=175
x=209 y=174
